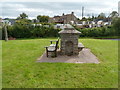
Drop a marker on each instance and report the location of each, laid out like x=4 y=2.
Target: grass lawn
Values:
x=20 y=69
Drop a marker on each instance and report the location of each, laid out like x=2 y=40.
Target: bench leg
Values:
x=55 y=53
x=46 y=53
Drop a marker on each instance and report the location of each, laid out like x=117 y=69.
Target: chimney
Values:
x=72 y=13
x=63 y=14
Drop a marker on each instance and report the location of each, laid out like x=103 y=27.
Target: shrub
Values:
x=116 y=25
x=97 y=31
x=29 y=31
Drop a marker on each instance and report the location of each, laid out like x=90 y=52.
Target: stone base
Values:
x=84 y=56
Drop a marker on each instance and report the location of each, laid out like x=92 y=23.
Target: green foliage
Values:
x=19 y=31
x=22 y=16
x=29 y=31
x=116 y=25
x=84 y=19
x=23 y=21
x=114 y=14
x=42 y=18
x=97 y=31
x=101 y=16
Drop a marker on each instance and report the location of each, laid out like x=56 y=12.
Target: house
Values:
x=8 y=21
x=35 y=21
x=5 y=22
x=100 y=23
x=64 y=19
x=59 y=26
x=12 y=21
x=36 y=25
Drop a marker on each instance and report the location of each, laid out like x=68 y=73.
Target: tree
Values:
x=101 y=16
x=34 y=21
x=42 y=18
x=84 y=19
x=23 y=16
x=23 y=21
x=89 y=19
x=93 y=17
x=113 y=14
x=78 y=19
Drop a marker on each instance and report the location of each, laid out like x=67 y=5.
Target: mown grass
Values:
x=20 y=69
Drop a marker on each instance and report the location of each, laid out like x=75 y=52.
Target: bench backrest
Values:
x=57 y=44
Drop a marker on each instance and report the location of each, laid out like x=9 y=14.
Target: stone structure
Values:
x=69 y=41
x=64 y=19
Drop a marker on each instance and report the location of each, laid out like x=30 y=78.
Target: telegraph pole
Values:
x=82 y=12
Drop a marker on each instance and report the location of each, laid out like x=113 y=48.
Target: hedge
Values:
x=29 y=31
x=97 y=31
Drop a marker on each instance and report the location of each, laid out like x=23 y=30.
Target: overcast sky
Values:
x=12 y=9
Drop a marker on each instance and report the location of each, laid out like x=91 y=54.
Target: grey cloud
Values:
x=53 y=8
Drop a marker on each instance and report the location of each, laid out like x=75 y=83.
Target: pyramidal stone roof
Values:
x=70 y=31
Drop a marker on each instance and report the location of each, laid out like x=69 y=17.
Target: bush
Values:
x=97 y=31
x=29 y=31
x=116 y=25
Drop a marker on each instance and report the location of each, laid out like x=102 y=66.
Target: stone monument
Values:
x=69 y=41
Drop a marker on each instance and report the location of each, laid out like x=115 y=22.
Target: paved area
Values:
x=85 y=56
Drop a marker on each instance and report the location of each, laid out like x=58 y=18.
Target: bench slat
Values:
x=80 y=45
x=51 y=48
x=53 y=45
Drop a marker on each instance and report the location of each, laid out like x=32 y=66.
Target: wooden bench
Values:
x=80 y=46
x=52 y=48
